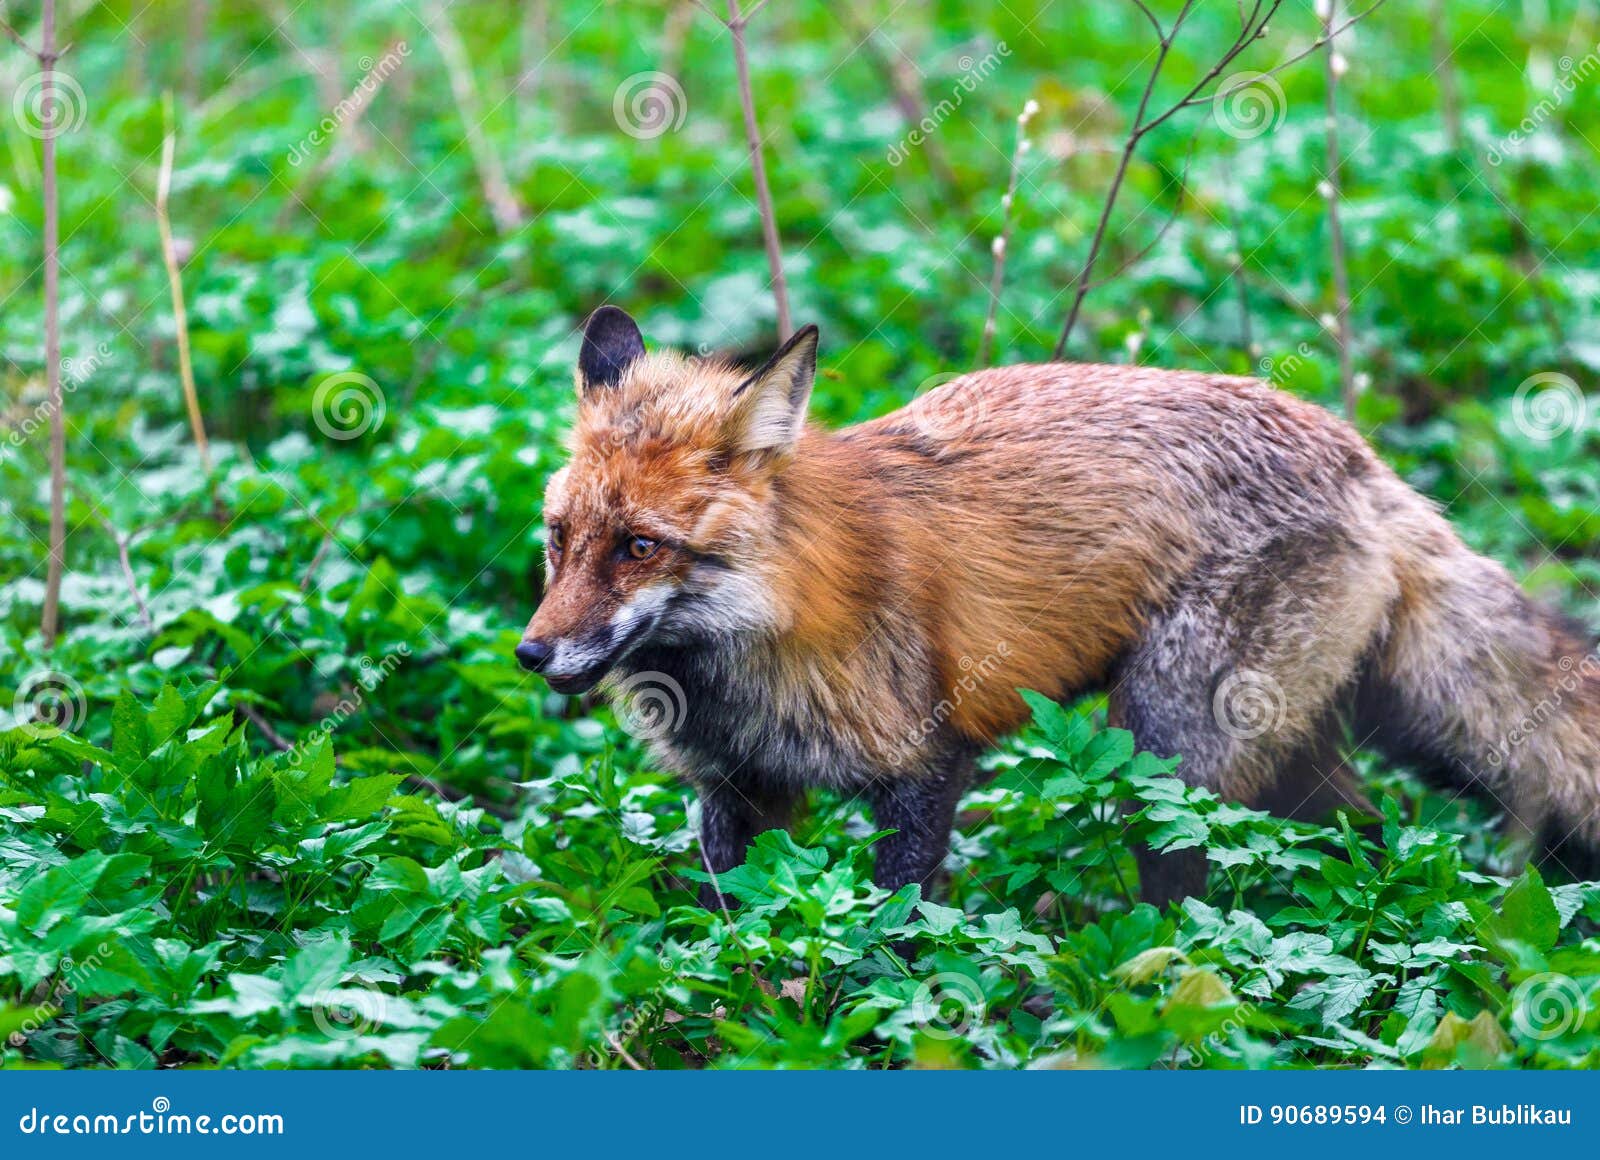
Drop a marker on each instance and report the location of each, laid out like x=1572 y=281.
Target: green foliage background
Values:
x=449 y=865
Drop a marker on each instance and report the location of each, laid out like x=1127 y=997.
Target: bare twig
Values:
x=1241 y=287
x=127 y=571
x=1333 y=66
x=503 y=204
x=275 y=739
x=445 y=790
x=1003 y=238
x=1196 y=98
x=616 y=1045
x=1253 y=22
x=906 y=88
x=736 y=24
x=1129 y=146
x=535 y=45
x=46 y=55
x=16 y=38
x=180 y=314
x=1444 y=71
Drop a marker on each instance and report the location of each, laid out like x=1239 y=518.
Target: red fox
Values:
x=1234 y=567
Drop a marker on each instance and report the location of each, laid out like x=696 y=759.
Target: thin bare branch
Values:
x=1132 y=143
x=275 y=739
x=1253 y=25
x=758 y=168
x=50 y=620
x=1177 y=209
x=503 y=204
x=16 y=38
x=1002 y=240
x=127 y=571
x=180 y=313
x=1195 y=98
x=906 y=88
x=1341 y=277
x=1151 y=17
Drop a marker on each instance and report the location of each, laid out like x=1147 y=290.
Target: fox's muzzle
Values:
x=572 y=665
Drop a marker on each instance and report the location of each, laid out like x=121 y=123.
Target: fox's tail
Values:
x=1499 y=694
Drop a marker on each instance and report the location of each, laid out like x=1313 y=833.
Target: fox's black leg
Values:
x=921 y=809
x=730 y=818
x=1165 y=878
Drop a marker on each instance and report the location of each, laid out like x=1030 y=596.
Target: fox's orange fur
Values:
x=859 y=608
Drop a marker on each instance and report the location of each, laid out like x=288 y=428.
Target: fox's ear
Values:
x=770 y=406
x=611 y=341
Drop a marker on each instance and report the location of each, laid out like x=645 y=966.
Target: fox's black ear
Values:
x=771 y=408
x=611 y=341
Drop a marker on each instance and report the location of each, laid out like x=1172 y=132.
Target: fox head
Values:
x=656 y=531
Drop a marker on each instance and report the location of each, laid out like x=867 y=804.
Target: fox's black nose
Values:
x=533 y=655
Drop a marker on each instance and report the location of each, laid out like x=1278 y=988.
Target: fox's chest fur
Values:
x=755 y=714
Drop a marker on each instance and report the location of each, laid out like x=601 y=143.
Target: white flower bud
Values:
x=998 y=246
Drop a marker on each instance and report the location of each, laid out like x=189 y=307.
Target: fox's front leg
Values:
x=730 y=818
x=921 y=809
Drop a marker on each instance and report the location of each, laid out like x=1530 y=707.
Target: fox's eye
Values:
x=557 y=537
x=641 y=548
